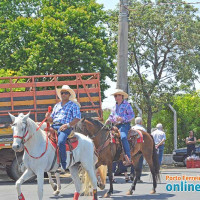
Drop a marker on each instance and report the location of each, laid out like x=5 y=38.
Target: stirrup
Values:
x=127 y=161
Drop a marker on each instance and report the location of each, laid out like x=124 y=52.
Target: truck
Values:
x=35 y=94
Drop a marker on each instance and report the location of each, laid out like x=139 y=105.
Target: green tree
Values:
x=163 y=52
x=56 y=37
x=187 y=107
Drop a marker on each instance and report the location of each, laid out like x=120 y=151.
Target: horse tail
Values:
x=87 y=185
x=86 y=181
x=102 y=172
x=155 y=161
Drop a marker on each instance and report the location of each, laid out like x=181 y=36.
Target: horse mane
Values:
x=95 y=122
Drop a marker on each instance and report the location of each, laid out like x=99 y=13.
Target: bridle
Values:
x=93 y=136
x=24 y=136
x=24 y=141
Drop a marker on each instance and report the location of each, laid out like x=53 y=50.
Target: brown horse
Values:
x=147 y=149
x=96 y=131
x=108 y=149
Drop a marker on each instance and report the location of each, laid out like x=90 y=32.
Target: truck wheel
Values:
x=17 y=168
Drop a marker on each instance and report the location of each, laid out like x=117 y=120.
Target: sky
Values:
x=108 y=4
x=109 y=101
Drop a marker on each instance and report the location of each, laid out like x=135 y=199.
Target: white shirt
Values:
x=139 y=127
x=158 y=136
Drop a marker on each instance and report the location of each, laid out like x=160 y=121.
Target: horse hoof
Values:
x=56 y=193
x=55 y=187
x=129 y=192
x=101 y=186
x=106 y=195
x=152 y=192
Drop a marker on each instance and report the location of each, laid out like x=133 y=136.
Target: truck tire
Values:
x=16 y=169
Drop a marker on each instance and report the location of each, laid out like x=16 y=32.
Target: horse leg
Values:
x=152 y=169
x=58 y=184
x=52 y=183
x=110 y=176
x=74 y=173
x=25 y=176
x=56 y=187
x=101 y=176
x=135 y=160
x=40 y=182
x=93 y=180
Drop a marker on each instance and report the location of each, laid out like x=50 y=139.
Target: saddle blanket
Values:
x=68 y=147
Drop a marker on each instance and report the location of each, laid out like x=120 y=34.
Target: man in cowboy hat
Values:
x=121 y=116
x=64 y=116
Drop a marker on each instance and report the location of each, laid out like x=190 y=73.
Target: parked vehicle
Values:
x=35 y=94
x=180 y=155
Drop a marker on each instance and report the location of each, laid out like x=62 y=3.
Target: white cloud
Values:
x=109 y=101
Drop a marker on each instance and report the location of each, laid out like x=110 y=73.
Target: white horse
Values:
x=39 y=156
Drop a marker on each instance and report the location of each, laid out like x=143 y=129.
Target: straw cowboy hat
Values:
x=68 y=89
x=119 y=91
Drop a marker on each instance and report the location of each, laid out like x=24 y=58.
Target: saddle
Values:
x=113 y=137
x=135 y=136
x=71 y=142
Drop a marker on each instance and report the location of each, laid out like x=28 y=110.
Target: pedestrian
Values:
x=190 y=142
x=138 y=126
x=119 y=168
x=121 y=116
x=159 y=139
x=64 y=116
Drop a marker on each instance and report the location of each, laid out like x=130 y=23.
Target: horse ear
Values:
x=12 y=117
x=26 y=116
x=83 y=119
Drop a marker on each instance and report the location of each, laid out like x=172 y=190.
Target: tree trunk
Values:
x=149 y=117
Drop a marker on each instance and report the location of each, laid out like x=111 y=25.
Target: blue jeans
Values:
x=124 y=128
x=160 y=153
x=62 y=137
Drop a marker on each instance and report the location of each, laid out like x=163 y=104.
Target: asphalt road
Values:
x=165 y=189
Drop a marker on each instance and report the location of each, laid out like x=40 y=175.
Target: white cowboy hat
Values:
x=119 y=91
x=68 y=89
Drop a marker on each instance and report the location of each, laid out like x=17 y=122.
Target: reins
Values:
x=104 y=144
x=92 y=137
x=42 y=153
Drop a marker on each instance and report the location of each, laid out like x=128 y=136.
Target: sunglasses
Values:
x=64 y=93
x=117 y=95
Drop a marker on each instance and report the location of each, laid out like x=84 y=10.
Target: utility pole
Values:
x=122 y=57
x=175 y=126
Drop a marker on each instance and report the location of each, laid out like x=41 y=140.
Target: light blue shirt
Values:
x=158 y=136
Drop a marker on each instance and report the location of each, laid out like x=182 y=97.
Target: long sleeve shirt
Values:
x=123 y=110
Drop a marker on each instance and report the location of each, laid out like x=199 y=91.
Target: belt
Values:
x=123 y=123
x=57 y=123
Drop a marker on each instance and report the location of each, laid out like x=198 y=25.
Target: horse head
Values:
x=88 y=126
x=19 y=127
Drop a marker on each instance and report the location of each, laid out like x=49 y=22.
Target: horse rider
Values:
x=121 y=116
x=64 y=116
